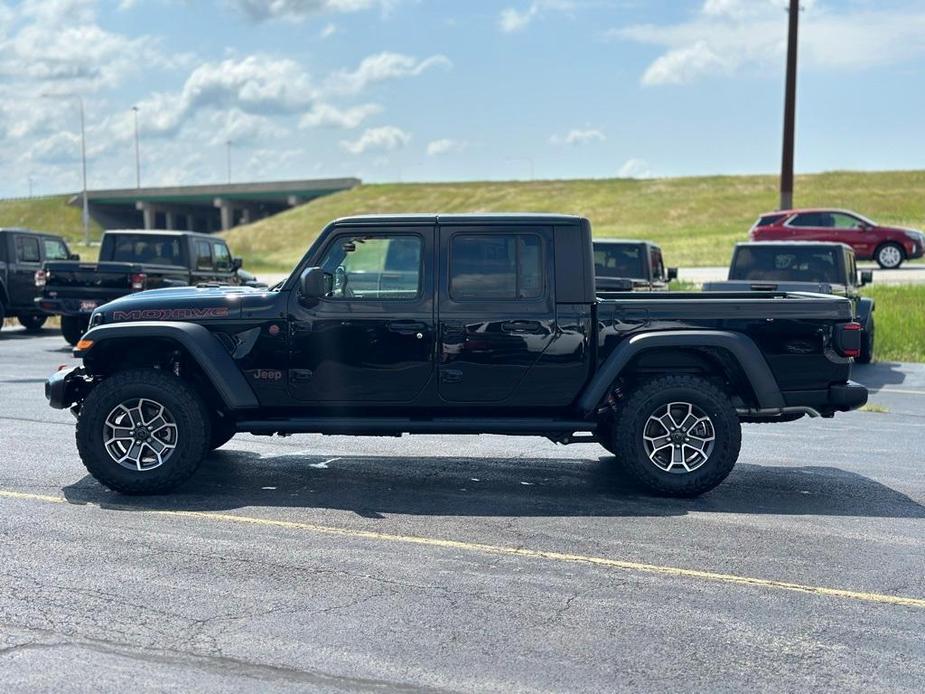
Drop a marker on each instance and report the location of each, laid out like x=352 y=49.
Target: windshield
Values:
x=786 y=264
x=620 y=260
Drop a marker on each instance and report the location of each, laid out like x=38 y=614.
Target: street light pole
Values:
x=228 y=147
x=790 y=105
x=137 y=151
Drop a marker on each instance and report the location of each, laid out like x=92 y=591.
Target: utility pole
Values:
x=30 y=185
x=228 y=147
x=137 y=151
x=790 y=108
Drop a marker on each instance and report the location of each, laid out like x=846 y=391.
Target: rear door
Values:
x=812 y=226
x=27 y=258
x=497 y=313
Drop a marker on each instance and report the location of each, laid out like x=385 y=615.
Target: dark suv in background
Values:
x=889 y=246
x=22 y=253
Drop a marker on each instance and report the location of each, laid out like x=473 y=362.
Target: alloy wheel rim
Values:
x=140 y=434
x=679 y=437
x=890 y=256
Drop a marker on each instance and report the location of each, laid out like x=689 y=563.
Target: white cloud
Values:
x=328 y=116
x=512 y=20
x=385 y=138
x=578 y=136
x=635 y=168
x=328 y=31
x=444 y=145
x=380 y=67
x=298 y=10
x=242 y=128
x=728 y=36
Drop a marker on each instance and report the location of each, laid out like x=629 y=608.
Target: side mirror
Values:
x=867 y=276
x=74 y=256
x=237 y=264
x=315 y=283
x=672 y=274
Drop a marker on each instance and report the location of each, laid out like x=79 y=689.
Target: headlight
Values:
x=916 y=237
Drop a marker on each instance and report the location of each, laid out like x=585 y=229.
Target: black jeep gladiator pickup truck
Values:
x=458 y=325
x=804 y=266
x=627 y=265
x=131 y=261
x=22 y=252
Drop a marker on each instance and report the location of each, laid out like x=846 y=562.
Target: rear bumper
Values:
x=841 y=397
x=67 y=307
x=66 y=387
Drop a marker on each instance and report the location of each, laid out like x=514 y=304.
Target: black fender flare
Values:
x=741 y=347
x=866 y=307
x=202 y=346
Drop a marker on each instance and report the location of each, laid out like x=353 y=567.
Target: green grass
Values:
x=900 y=317
x=697 y=220
x=54 y=215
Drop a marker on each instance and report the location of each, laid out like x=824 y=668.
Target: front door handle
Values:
x=521 y=326
x=406 y=327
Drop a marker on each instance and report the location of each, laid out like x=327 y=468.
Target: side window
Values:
x=55 y=250
x=222 y=257
x=807 y=219
x=27 y=249
x=846 y=221
x=374 y=267
x=203 y=255
x=496 y=267
x=658 y=266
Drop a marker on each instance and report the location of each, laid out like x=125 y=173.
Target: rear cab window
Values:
x=790 y=264
x=147 y=248
x=620 y=260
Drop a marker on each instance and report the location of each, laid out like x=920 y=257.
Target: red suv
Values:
x=889 y=246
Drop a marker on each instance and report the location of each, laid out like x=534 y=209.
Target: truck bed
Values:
x=717 y=305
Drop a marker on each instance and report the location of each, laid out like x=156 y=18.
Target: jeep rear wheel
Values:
x=143 y=431
x=890 y=256
x=73 y=328
x=33 y=322
x=867 y=343
x=677 y=435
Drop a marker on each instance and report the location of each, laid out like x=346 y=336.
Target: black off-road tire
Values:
x=889 y=246
x=634 y=412
x=867 y=344
x=32 y=322
x=73 y=328
x=223 y=431
x=194 y=430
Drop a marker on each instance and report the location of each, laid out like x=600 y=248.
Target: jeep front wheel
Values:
x=677 y=435
x=143 y=431
x=73 y=328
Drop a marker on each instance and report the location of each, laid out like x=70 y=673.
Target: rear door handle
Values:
x=521 y=326
x=407 y=326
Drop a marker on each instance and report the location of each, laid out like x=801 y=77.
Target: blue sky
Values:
x=449 y=90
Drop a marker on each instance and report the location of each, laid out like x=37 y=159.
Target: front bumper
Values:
x=841 y=397
x=67 y=387
x=915 y=250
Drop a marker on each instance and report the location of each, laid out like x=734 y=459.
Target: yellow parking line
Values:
x=514 y=552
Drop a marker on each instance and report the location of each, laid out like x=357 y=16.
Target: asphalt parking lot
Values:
x=464 y=563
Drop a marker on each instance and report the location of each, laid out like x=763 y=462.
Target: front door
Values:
x=371 y=339
x=497 y=310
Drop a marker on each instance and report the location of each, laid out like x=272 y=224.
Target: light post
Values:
x=228 y=156
x=790 y=106
x=83 y=160
x=137 y=151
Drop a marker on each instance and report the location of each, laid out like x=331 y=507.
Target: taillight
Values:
x=41 y=278
x=848 y=339
x=138 y=281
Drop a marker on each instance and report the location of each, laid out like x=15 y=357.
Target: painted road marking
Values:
x=899 y=391
x=499 y=550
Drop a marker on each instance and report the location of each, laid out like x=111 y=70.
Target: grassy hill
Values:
x=50 y=213
x=697 y=220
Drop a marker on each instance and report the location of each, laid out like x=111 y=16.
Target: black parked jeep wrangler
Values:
x=456 y=325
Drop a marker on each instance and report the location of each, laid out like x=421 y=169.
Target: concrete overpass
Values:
x=205 y=208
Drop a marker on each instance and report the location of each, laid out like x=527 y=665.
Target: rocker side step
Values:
x=391 y=426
